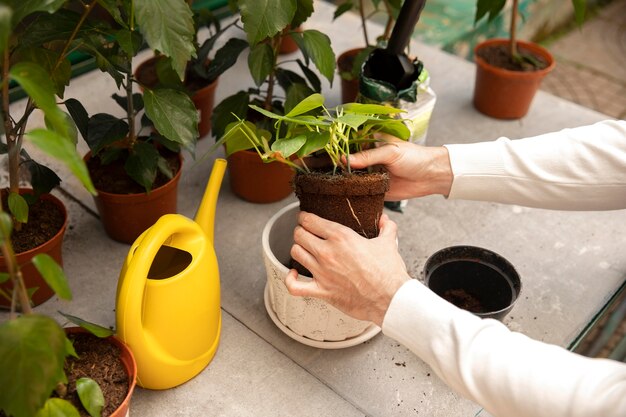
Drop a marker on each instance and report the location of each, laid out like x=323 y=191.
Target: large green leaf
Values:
x=90 y=395
x=223 y=113
x=141 y=164
x=173 y=114
x=63 y=150
x=53 y=274
x=290 y=146
x=167 y=26
x=303 y=11
x=260 y=62
x=580 y=8
x=18 y=207
x=312 y=102
x=37 y=84
x=22 y=8
x=32 y=353
x=59 y=74
x=42 y=178
x=363 y=108
x=79 y=115
x=225 y=57
x=492 y=7
x=316 y=45
x=295 y=94
x=56 y=407
x=240 y=136
x=5 y=26
x=314 y=142
x=265 y=18
x=104 y=129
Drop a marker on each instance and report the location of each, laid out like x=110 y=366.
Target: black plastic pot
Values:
x=475 y=279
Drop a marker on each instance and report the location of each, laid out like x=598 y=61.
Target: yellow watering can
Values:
x=168 y=295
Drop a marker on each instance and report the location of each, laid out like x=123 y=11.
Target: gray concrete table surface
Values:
x=570 y=264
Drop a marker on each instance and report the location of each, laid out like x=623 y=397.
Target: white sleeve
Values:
x=582 y=168
x=507 y=373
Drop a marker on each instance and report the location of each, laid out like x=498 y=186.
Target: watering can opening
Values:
x=168 y=262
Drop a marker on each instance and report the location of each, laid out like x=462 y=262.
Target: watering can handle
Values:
x=130 y=297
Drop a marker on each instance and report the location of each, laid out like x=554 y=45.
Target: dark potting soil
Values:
x=112 y=178
x=354 y=200
x=45 y=220
x=462 y=299
x=101 y=362
x=499 y=56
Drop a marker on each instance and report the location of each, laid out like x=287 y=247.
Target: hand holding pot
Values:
x=414 y=170
x=359 y=276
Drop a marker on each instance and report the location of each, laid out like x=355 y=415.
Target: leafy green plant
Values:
x=35 y=57
x=171 y=120
x=265 y=24
x=312 y=129
x=389 y=8
x=493 y=8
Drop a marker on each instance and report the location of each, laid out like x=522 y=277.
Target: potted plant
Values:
x=509 y=71
x=202 y=73
x=48 y=370
x=349 y=62
x=36 y=60
x=135 y=167
x=278 y=87
x=317 y=143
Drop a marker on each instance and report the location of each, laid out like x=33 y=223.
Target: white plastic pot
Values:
x=309 y=320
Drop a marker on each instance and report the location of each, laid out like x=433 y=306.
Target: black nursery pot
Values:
x=474 y=279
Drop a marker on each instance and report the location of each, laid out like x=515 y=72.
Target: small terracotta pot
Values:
x=32 y=277
x=506 y=94
x=128 y=360
x=257 y=182
x=126 y=216
x=349 y=88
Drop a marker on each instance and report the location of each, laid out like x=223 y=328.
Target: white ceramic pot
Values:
x=309 y=320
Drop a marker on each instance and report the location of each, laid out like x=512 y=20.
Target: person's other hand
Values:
x=359 y=276
x=414 y=170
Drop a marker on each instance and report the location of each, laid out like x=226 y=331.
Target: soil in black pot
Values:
x=499 y=56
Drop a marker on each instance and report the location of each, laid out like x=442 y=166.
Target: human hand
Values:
x=414 y=170
x=358 y=276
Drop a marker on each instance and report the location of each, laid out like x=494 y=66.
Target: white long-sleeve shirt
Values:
x=507 y=373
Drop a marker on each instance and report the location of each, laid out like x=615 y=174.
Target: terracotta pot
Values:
x=203 y=98
x=257 y=182
x=128 y=360
x=308 y=320
x=32 y=277
x=506 y=94
x=126 y=216
x=349 y=88
x=287 y=44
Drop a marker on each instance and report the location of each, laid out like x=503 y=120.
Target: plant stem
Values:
x=271 y=80
x=83 y=17
x=512 y=38
x=363 y=20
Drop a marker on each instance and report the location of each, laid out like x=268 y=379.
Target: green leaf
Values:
x=342 y=8
x=314 y=142
x=222 y=116
x=42 y=178
x=56 y=407
x=4 y=277
x=295 y=94
x=111 y=7
x=392 y=127
x=174 y=115
x=316 y=45
x=167 y=26
x=290 y=146
x=79 y=115
x=265 y=18
x=580 y=9
x=225 y=57
x=304 y=10
x=130 y=41
x=90 y=396
x=311 y=77
x=6 y=226
x=37 y=84
x=353 y=120
x=23 y=8
x=104 y=129
x=370 y=108
x=53 y=274
x=141 y=164
x=93 y=328
x=18 y=207
x=312 y=102
x=32 y=354
x=493 y=7
x=63 y=150
x=260 y=62
x=241 y=136
x=59 y=73
x=5 y=26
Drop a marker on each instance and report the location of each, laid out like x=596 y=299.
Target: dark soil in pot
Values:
x=355 y=200
x=45 y=220
x=100 y=361
x=499 y=56
x=112 y=177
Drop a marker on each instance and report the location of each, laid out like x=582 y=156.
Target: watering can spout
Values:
x=205 y=217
